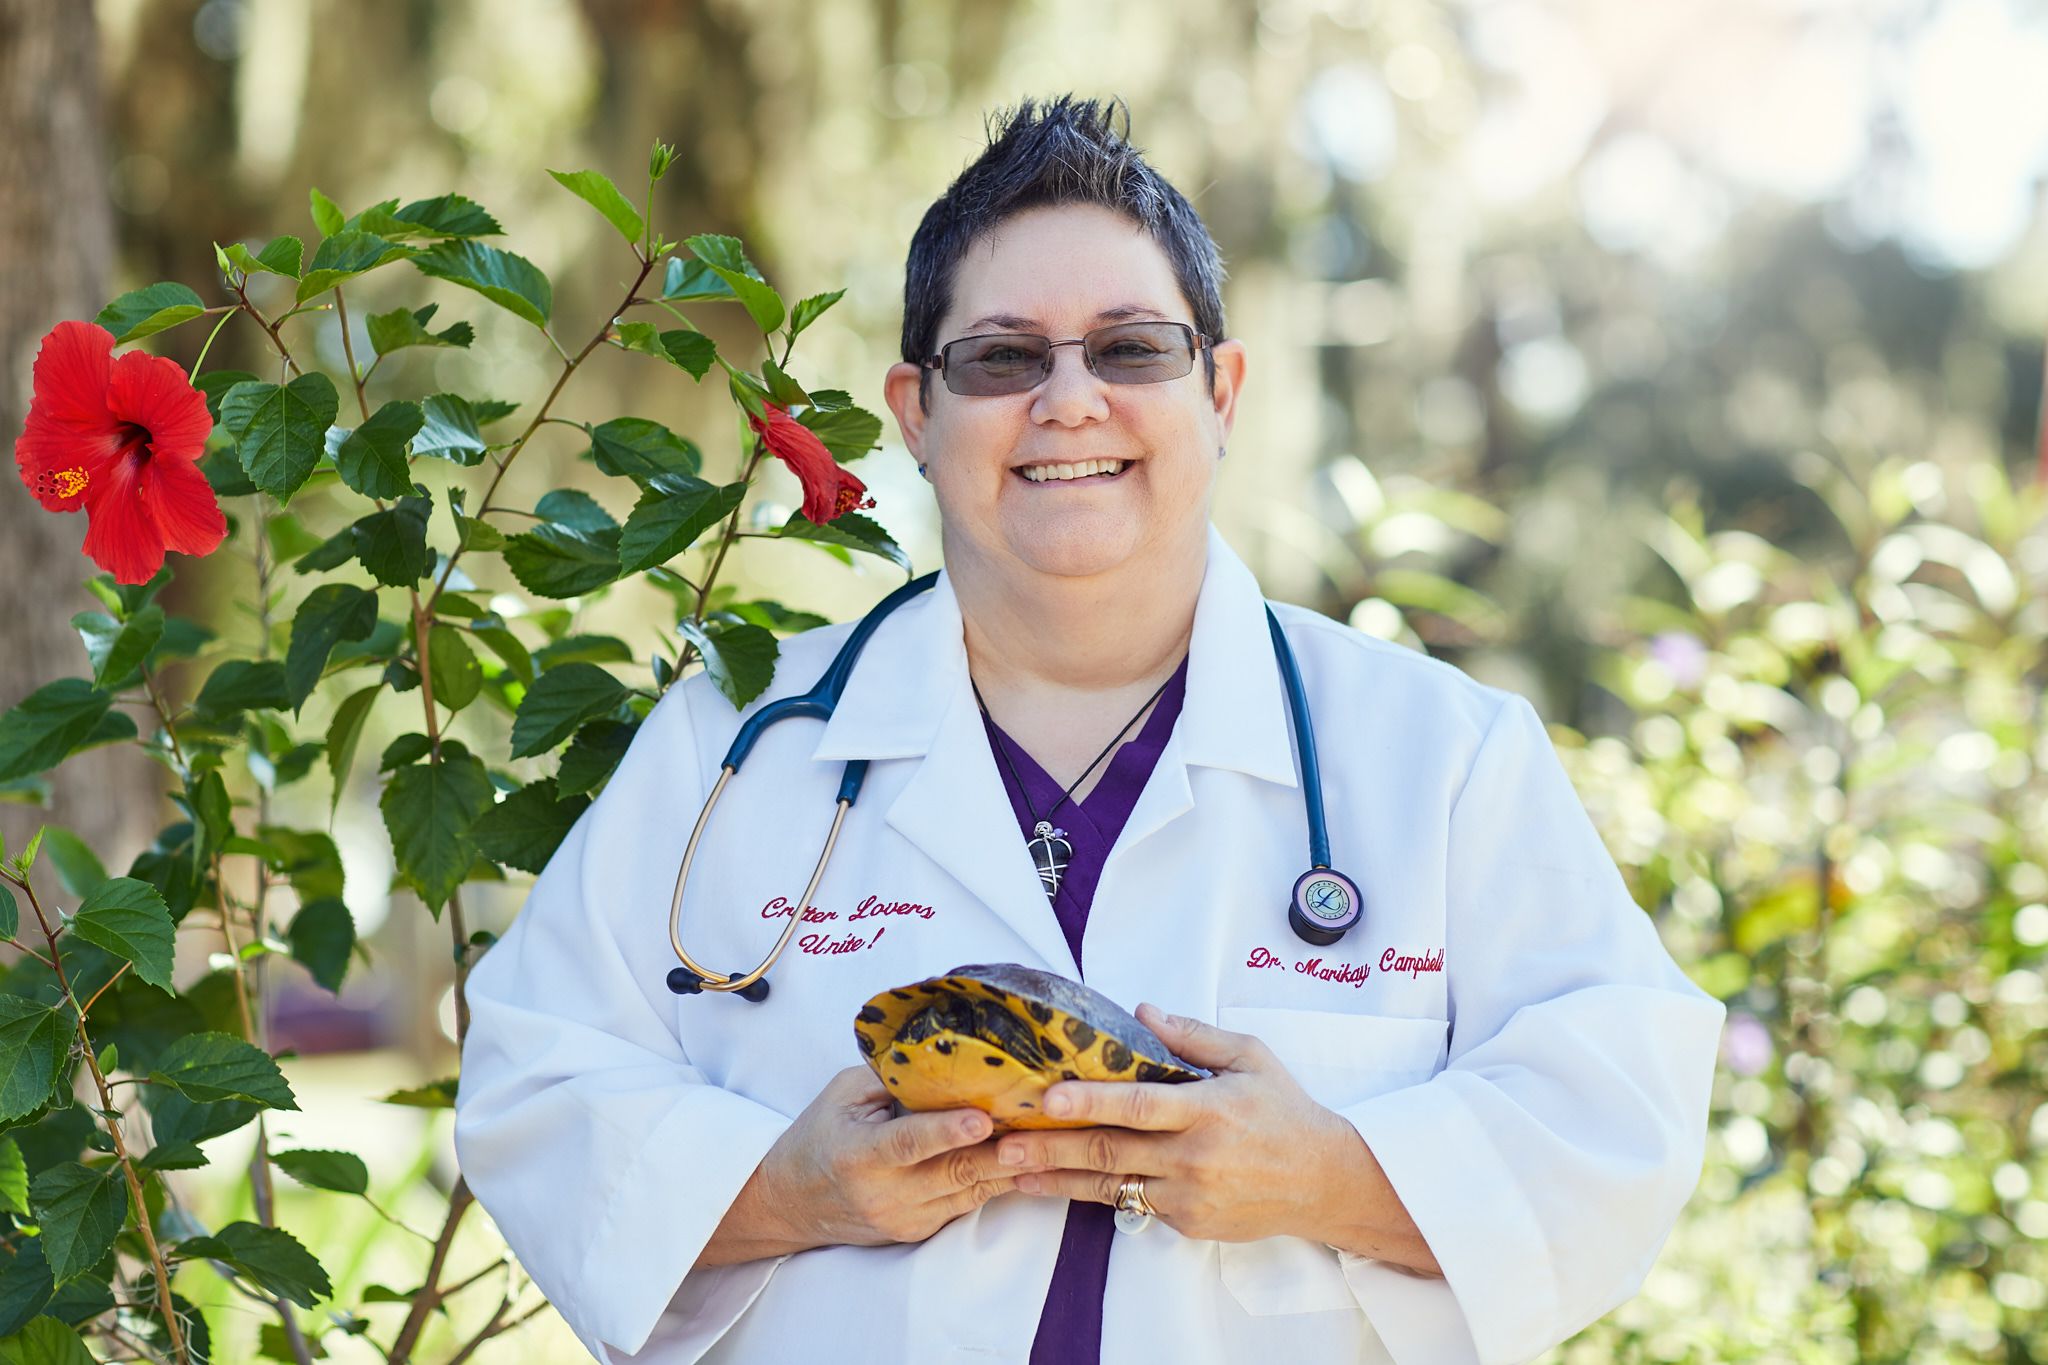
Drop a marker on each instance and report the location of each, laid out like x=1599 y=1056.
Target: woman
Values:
x=1461 y=1132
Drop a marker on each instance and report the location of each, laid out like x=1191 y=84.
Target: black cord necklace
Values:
x=1049 y=849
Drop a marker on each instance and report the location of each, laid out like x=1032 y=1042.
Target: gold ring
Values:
x=1134 y=1212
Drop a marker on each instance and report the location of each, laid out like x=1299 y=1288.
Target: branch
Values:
x=431 y=1294
x=569 y=364
x=156 y=1255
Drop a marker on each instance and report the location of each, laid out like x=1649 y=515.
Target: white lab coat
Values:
x=1538 y=1100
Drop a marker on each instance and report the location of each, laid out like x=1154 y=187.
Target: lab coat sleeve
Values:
x=605 y=1158
x=1548 y=1162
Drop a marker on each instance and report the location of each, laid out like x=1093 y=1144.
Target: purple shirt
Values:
x=1070 y=1326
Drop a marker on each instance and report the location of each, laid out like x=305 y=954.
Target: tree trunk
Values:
x=56 y=260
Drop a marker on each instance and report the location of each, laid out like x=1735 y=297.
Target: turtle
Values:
x=995 y=1035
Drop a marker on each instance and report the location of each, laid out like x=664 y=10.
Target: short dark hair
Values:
x=1060 y=151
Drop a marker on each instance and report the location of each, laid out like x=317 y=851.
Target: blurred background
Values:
x=1676 y=365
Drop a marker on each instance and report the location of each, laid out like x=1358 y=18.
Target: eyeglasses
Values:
x=1013 y=362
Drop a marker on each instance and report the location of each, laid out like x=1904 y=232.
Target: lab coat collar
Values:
x=913 y=674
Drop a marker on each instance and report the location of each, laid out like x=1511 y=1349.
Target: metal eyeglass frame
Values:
x=1197 y=343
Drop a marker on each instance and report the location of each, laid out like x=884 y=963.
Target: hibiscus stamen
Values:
x=65 y=483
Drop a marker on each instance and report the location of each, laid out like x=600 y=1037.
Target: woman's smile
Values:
x=1073 y=474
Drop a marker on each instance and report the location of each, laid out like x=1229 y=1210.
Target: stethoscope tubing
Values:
x=823 y=699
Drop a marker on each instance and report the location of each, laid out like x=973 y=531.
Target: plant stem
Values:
x=156 y=1255
x=731 y=533
x=225 y=315
x=348 y=350
x=269 y=329
x=430 y=1296
x=569 y=365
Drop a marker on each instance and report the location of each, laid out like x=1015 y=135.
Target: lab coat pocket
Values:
x=1340 y=1059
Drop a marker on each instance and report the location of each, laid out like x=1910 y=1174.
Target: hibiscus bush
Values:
x=397 y=581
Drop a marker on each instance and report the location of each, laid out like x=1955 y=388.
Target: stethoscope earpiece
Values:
x=683 y=981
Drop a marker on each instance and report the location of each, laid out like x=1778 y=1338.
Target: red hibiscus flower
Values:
x=121 y=439
x=829 y=487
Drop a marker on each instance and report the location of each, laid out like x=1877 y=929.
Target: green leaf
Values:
x=589 y=649
x=280 y=256
x=690 y=349
x=428 y=811
x=850 y=530
x=80 y=1211
x=682 y=347
x=342 y=256
x=117 y=648
x=576 y=510
x=215 y=384
x=848 y=433
x=372 y=458
x=13 y=1178
x=593 y=754
x=342 y=734
x=776 y=617
x=508 y=648
x=331 y=613
x=342 y=1172
x=525 y=828
x=78 y=867
x=558 y=561
x=10 y=913
x=671 y=514
x=25 y=1286
x=456 y=675
x=512 y=282
x=280 y=430
x=808 y=311
x=270 y=1257
x=310 y=860
x=637 y=449
x=433 y=1095
x=450 y=430
x=687 y=280
x=206 y=1067
x=326 y=216
x=447 y=215
x=407 y=748
x=175 y=1119
x=560 y=700
x=784 y=390
x=322 y=935
x=213 y=812
x=149 y=310
x=34 y=1042
x=335 y=551
x=47 y=1341
x=740 y=658
x=596 y=189
x=729 y=262
x=400 y=328
x=393 y=543
x=129 y=919
x=50 y=722
x=240 y=685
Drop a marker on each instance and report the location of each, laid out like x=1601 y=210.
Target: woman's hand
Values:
x=847 y=1173
x=1244 y=1155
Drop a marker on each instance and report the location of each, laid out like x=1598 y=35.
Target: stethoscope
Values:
x=1324 y=906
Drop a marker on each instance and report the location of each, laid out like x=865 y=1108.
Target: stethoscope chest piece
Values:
x=1325 y=904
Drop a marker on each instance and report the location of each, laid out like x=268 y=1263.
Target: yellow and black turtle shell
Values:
x=996 y=1035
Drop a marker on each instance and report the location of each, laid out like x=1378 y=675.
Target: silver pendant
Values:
x=1050 y=854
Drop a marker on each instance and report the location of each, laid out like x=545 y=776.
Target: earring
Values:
x=923 y=474
x=1220 y=452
